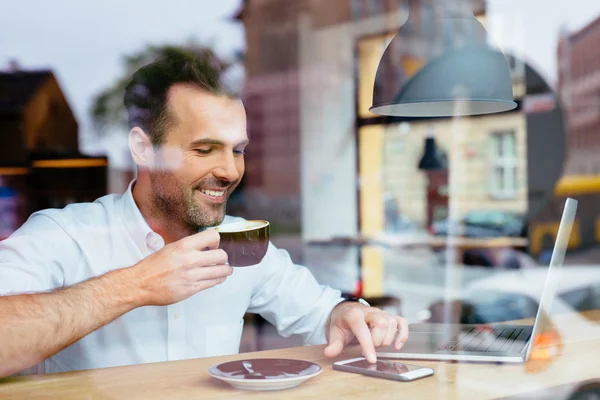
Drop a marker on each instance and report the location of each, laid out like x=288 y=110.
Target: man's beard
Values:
x=176 y=202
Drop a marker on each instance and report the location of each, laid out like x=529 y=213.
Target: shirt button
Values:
x=154 y=242
x=176 y=316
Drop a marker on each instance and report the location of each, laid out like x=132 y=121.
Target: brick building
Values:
x=579 y=87
x=272 y=181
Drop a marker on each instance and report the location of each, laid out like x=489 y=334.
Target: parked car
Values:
x=483 y=223
x=513 y=295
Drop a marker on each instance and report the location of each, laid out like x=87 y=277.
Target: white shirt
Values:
x=62 y=247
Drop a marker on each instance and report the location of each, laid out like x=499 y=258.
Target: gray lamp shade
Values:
x=468 y=78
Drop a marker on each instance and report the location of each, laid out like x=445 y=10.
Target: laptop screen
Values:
x=542 y=320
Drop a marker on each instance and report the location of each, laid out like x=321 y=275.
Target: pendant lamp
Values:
x=463 y=73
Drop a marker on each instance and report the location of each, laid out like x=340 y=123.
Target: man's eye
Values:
x=203 y=151
x=240 y=152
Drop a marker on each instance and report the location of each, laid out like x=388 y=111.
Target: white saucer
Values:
x=265 y=373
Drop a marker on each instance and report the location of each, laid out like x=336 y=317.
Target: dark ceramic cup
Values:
x=246 y=242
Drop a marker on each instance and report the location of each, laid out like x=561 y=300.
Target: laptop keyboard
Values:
x=483 y=339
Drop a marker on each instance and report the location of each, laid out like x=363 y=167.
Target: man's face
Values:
x=201 y=160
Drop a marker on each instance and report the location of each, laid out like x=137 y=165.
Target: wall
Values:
x=327 y=130
x=466 y=141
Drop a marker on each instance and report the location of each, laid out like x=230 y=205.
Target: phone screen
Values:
x=389 y=367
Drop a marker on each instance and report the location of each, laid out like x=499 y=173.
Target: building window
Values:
x=503 y=156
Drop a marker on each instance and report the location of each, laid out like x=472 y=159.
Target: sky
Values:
x=84 y=41
x=531 y=28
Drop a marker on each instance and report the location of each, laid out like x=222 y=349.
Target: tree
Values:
x=107 y=108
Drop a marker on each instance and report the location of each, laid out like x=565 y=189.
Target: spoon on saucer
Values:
x=251 y=374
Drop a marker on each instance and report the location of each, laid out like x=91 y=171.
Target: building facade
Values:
x=488 y=154
x=579 y=87
x=274 y=75
x=283 y=72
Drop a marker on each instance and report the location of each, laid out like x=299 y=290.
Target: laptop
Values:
x=488 y=342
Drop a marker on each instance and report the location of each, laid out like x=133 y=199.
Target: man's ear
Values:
x=141 y=148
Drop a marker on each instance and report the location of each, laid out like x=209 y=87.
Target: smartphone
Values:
x=385 y=369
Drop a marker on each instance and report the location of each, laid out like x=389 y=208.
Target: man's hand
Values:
x=181 y=269
x=371 y=326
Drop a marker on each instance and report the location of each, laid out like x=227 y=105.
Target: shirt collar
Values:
x=133 y=219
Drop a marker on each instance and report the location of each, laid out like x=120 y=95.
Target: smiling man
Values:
x=137 y=277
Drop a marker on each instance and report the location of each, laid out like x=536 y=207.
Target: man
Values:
x=138 y=278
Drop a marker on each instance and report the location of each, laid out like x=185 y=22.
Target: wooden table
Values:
x=579 y=361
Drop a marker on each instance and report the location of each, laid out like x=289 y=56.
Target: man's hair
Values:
x=145 y=96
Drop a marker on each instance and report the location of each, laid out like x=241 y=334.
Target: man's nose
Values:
x=227 y=169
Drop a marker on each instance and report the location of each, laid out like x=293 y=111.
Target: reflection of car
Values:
x=513 y=295
x=502 y=258
x=483 y=223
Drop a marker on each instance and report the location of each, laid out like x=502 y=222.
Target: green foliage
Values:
x=107 y=108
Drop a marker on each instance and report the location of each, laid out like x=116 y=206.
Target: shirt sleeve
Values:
x=288 y=296
x=31 y=259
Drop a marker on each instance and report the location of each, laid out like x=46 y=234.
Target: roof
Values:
x=583 y=32
x=17 y=88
